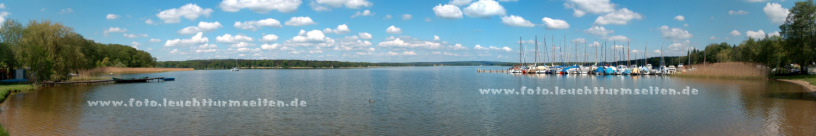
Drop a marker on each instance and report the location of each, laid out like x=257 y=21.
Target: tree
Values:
x=799 y=30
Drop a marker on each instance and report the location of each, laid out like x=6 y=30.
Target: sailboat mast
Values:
x=521 y=52
x=536 y=48
x=627 y=53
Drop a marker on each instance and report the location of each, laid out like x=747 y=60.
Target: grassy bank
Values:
x=807 y=81
x=4 y=91
x=728 y=70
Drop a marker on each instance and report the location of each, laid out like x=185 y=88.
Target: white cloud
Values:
x=436 y=38
x=580 y=7
x=66 y=11
x=300 y=21
x=189 y=11
x=269 y=38
x=409 y=53
x=555 y=23
x=387 y=17
x=680 y=18
x=134 y=35
x=674 y=34
x=619 y=38
x=260 y=6
x=364 y=13
x=114 y=30
x=484 y=8
x=459 y=47
x=518 y=21
x=353 y=43
x=135 y=44
x=255 y=25
x=712 y=38
x=755 y=34
x=322 y=5
x=313 y=37
x=735 y=33
x=447 y=11
x=202 y=27
x=2 y=5
x=341 y=29
x=427 y=19
x=619 y=17
x=758 y=0
x=365 y=35
x=270 y=46
x=460 y=2
x=579 y=40
x=738 y=12
x=241 y=45
x=150 y=22
x=407 y=16
x=775 y=13
x=206 y=48
x=598 y=30
x=154 y=40
x=228 y=38
x=408 y=42
x=393 y=30
x=479 y=47
x=197 y=39
x=774 y=34
x=111 y=17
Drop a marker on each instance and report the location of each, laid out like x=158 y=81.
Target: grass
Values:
x=727 y=70
x=807 y=78
x=5 y=90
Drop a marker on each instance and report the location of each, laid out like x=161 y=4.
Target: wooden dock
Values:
x=98 y=81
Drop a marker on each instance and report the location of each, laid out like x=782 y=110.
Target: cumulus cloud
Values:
x=364 y=13
x=313 y=37
x=774 y=34
x=352 y=43
x=66 y=11
x=712 y=38
x=408 y=42
x=579 y=40
x=447 y=11
x=555 y=23
x=407 y=16
x=255 y=25
x=150 y=22
x=674 y=34
x=518 y=21
x=270 y=46
x=436 y=38
x=154 y=40
x=323 y=5
x=619 y=38
x=505 y=48
x=755 y=34
x=206 y=48
x=680 y=18
x=300 y=21
x=197 y=39
x=776 y=13
x=202 y=27
x=484 y=8
x=260 y=6
x=738 y=12
x=114 y=30
x=134 y=35
x=228 y=38
x=598 y=30
x=269 y=38
x=618 y=17
x=735 y=33
x=460 y=2
x=240 y=45
x=341 y=29
x=581 y=7
x=112 y=17
x=387 y=17
x=189 y=11
x=393 y=30
x=365 y=35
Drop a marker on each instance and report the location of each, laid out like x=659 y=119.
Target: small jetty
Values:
x=115 y=80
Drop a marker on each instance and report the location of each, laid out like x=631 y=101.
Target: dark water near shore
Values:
x=414 y=101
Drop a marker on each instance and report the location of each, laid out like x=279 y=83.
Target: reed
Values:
x=727 y=70
x=121 y=70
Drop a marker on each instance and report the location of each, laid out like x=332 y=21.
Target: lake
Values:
x=413 y=101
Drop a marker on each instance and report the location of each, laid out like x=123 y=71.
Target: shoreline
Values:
x=811 y=88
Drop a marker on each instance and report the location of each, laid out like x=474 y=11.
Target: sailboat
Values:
x=236 y=66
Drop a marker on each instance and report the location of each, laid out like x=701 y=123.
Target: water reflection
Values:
x=416 y=101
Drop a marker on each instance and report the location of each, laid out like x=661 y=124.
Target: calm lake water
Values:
x=413 y=101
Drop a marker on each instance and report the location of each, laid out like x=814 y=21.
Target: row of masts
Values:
x=605 y=53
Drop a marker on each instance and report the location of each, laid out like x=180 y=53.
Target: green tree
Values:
x=799 y=32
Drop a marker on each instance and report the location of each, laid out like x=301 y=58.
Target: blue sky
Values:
x=423 y=30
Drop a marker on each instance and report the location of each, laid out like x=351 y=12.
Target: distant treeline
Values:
x=53 y=51
x=229 y=63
